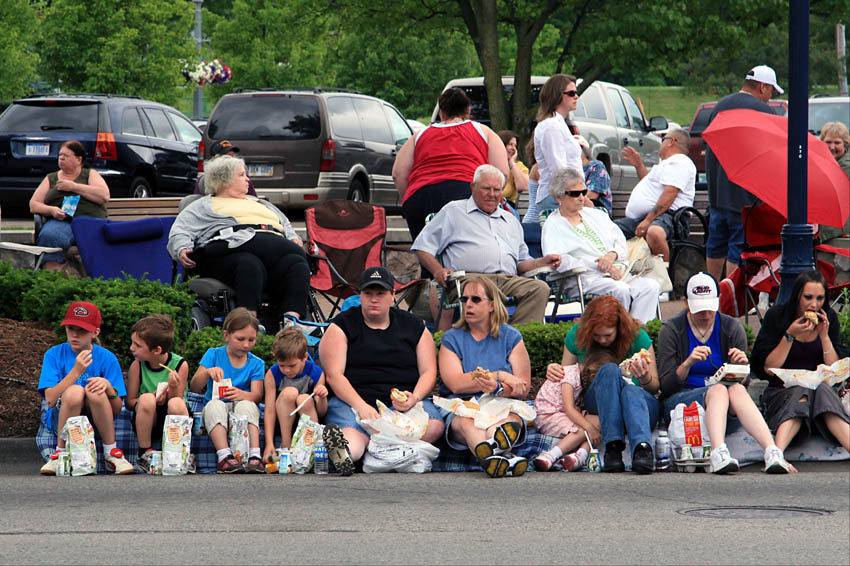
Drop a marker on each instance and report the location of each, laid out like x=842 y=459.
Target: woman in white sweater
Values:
x=585 y=236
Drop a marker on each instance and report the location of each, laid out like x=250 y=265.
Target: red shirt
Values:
x=446 y=152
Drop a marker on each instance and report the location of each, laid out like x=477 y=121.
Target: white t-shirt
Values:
x=678 y=171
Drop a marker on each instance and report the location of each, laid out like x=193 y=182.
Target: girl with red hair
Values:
x=622 y=407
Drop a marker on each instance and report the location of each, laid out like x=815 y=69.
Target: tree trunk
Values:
x=482 y=21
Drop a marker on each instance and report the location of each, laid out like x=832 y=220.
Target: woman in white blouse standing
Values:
x=585 y=236
x=554 y=145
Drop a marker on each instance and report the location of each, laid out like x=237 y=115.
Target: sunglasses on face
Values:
x=571 y=92
x=475 y=300
x=576 y=194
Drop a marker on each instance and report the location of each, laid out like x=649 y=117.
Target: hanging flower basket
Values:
x=215 y=72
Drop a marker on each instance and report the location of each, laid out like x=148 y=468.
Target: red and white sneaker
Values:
x=49 y=468
x=571 y=463
x=544 y=462
x=116 y=463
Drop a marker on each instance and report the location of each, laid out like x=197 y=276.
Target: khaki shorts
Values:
x=215 y=413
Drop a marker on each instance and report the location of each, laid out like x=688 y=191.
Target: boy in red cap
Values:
x=80 y=375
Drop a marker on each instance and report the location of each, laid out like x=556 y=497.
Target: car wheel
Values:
x=140 y=188
x=357 y=192
x=200 y=319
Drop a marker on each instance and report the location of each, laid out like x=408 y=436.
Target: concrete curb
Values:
x=17 y=451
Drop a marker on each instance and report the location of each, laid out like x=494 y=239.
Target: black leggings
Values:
x=265 y=262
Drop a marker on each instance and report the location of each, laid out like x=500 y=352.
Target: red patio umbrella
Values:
x=752 y=147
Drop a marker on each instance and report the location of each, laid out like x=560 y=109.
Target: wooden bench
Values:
x=136 y=208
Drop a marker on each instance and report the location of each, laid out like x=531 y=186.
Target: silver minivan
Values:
x=607 y=115
x=306 y=146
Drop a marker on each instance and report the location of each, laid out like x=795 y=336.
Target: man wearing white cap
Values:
x=726 y=199
x=692 y=346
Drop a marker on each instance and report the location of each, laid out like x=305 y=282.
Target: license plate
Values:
x=38 y=149
x=702 y=178
x=260 y=170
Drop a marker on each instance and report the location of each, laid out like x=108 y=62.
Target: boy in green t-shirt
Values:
x=156 y=382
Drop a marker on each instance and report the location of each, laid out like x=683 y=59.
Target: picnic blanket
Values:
x=741 y=445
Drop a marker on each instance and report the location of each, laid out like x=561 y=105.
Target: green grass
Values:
x=669 y=101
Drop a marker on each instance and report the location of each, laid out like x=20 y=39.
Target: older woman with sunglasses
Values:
x=586 y=237
x=483 y=339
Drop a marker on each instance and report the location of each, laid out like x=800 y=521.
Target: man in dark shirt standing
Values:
x=726 y=199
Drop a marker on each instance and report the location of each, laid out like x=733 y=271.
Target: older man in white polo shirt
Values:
x=477 y=236
x=666 y=188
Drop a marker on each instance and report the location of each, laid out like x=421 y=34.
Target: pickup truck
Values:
x=607 y=115
x=700 y=122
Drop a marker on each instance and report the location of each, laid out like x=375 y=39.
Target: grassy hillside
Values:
x=669 y=101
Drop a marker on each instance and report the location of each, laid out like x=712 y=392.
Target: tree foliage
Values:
x=19 y=24
x=117 y=47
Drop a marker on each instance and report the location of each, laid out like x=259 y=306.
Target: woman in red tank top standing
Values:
x=436 y=166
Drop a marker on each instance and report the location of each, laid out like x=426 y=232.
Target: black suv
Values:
x=141 y=148
x=303 y=146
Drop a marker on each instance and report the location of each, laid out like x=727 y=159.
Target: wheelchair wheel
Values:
x=200 y=319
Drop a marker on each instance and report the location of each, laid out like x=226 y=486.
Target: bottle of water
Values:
x=662 y=452
x=320 y=460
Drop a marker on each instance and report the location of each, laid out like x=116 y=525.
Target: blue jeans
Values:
x=56 y=234
x=621 y=407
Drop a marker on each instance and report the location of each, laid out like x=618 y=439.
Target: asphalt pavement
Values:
x=446 y=518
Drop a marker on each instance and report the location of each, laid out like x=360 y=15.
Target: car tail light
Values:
x=105 y=147
x=312 y=197
x=328 y=156
x=201 y=148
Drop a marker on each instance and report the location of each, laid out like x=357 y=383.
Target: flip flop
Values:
x=506 y=434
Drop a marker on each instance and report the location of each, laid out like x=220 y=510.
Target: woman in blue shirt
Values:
x=483 y=354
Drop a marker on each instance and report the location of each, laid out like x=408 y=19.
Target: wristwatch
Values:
x=788 y=337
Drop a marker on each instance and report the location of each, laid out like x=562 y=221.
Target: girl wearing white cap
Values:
x=692 y=346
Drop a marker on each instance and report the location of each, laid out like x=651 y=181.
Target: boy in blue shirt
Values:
x=292 y=379
x=81 y=375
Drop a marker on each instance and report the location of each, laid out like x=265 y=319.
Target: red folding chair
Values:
x=758 y=270
x=346 y=237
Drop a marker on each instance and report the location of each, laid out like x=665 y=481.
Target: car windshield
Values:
x=822 y=112
x=281 y=117
x=49 y=116
x=701 y=121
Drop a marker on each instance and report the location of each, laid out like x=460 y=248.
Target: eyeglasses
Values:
x=665 y=138
x=475 y=300
x=571 y=92
x=576 y=194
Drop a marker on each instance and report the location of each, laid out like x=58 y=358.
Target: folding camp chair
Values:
x=762 y=256
x=345 y=238
x=117 y=248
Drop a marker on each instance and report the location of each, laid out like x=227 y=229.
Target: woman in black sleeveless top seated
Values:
x=790 y=339
x=366 y=352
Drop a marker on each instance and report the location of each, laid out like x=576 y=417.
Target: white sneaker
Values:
x=49 y=468
x=116 y=463
x=722 y=462
x=774 y=461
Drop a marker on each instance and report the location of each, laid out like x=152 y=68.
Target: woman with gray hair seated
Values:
x=586 y=237
x=242 y=241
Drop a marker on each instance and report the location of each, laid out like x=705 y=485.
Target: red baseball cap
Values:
x=82 y=314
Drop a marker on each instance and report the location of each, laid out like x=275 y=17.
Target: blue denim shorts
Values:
x=341 y=414
x=725 y=235
x=56 y=234
x=629 y=225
